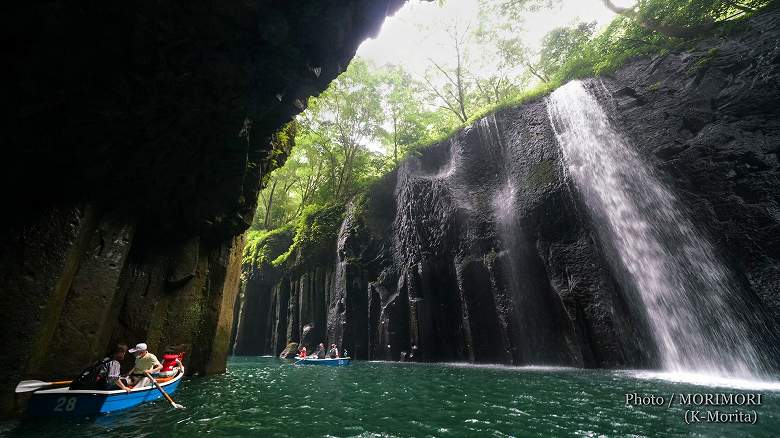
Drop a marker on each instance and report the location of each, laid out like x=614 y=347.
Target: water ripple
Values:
x=270 y=398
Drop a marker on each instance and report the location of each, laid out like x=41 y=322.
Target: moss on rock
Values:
x=542 y=173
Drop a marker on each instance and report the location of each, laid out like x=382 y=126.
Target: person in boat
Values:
x=105 y=374
x=302 y=352
x=114 y=376
x=171 y=363
x=333 y=353
x=320 y=354
x=144 y=362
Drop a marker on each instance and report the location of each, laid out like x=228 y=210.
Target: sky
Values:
x=416 y=32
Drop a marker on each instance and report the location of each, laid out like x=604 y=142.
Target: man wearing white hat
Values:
x=144 y=362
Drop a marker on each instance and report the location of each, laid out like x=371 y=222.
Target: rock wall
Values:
x=139 y=137
x=481 y=249
x=79 y=285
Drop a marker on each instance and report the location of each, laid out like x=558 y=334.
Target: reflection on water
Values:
x=271 y=398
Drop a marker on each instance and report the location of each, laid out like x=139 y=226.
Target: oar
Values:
x=168 y=397
x=32 y=385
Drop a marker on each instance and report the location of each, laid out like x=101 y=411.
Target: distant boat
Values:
x=85 y=402
x=337 y=362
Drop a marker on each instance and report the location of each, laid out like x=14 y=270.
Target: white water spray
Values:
x=693 y=310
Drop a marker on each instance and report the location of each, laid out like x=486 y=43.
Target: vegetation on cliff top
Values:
x=315 y=233
x=263 y=246
x=371 y=117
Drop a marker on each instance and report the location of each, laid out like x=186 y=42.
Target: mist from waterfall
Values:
x=504 y=211
x=697 y=317
x=535 y=327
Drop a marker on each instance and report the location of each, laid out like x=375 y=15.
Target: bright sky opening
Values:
x=418 y=31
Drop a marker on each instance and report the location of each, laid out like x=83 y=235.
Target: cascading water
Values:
x=696 y=315
x=535 y=326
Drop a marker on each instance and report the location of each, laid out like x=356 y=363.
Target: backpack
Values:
x=93 y=377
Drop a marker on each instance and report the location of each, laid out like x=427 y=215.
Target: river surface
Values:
x=267 y=397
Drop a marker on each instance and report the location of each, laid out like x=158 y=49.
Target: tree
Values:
x=686 y=18
x=348 y=114
x=453 y=88
x=560 y=45
x=501 y=23
x=495 y=88
x=405 y=123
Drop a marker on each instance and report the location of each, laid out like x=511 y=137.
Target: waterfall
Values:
x=504 y=210
x=534 y=323
x=697 y=316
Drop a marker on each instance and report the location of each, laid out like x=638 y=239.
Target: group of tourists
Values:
x=333 y=353
x=106 y=374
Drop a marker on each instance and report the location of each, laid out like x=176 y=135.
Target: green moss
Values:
x=704 y=61
x=490 y=258
x=542 y=173
x=317 y=228
x=282 y=143
x=526 y=96
x=656 y=86
x=262 y=247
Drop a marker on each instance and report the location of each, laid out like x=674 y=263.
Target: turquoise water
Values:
x=268 y=397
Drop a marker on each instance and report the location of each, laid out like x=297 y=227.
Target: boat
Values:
x=337 y=362
x=87 y=402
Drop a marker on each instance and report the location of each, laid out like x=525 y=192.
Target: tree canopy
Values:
x=371 y=116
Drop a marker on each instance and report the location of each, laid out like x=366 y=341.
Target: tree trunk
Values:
x=533 y=71
x=267 y=219
x=459 y=77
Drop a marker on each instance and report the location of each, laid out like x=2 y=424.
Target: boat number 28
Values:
x=66 y=404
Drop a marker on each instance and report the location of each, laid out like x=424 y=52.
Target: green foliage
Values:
x=315 y=229
x=704 y=61
x=689 y=13
x=574 y=52
x=367 y=121
x=262 y=247
x=656 y=86
x=281 y=145
x=562 y=44
x=371 y=118
x=626 y=38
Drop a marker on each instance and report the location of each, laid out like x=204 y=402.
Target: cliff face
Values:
x=481 y=248
x=140 y=135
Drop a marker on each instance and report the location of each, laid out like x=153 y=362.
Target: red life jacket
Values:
x=169 y=361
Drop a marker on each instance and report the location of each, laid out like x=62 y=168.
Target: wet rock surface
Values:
x=481 y=248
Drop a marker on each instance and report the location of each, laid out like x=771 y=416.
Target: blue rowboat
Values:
x=338 y=362
x=86 y=402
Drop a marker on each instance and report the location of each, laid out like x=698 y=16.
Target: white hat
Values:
x=138 y=347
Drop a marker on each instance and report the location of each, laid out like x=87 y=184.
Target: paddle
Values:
x=168 y=397
x=32 y=385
